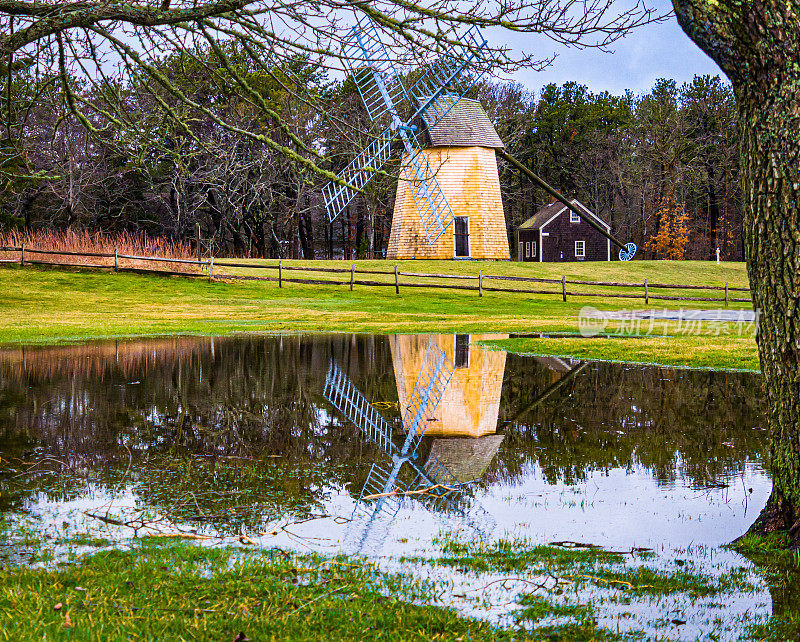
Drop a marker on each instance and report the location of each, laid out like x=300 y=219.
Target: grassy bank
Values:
x=178 y=591
x=160 y=588
x=43 y=306
x=708 y=352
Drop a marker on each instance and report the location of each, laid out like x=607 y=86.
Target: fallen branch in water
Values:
x=302 y=606
x=403 y=493
x=503 y=581
x=183 y=535
x=605 y=581
x=596 y=547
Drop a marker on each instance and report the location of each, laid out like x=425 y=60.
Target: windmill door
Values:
x=461 y=233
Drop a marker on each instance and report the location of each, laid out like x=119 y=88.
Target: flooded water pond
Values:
x=314 y=443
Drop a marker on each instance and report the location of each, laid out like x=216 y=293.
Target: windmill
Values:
x=398 y=473
x=431 y=98
x=463 y=158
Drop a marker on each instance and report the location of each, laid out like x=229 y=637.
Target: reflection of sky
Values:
x=648 y=53
x=618 y=509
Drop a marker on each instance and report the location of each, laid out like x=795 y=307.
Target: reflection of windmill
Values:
x=427 y=103
x=397 y=473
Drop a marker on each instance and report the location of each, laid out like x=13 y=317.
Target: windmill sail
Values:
x=357 y=174
x=432 y=206
x=381 y=92
x=374 y=73
x=446 y=81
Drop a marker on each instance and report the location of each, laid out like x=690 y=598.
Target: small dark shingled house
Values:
x=555 y=233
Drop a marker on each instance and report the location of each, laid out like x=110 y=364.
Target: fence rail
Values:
x=478 y=282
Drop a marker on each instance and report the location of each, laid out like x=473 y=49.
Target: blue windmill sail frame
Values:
x=448 y=77
x=376 y=78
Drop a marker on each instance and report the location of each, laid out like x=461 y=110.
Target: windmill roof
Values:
x=465 y=125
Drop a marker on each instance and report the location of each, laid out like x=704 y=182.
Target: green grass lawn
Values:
x=162 y=589
x=39 y=306
x=178 y=592
x=678 y=272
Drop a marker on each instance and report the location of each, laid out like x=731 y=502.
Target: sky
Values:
x=648 y=53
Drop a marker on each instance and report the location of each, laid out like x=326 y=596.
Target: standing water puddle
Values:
x=303 y=442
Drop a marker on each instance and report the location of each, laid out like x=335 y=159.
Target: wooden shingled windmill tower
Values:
x=448 y=202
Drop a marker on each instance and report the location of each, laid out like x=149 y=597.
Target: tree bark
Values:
x=757 y=44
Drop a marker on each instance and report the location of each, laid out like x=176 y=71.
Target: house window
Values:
x=580 y=249
x=533 y=249
x=462 y=351
x=573 y=217
x=527 y=249
x=461 y=235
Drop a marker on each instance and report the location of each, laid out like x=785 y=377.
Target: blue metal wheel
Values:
x=627 y=252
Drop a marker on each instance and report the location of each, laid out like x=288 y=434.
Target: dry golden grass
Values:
x=125 y=243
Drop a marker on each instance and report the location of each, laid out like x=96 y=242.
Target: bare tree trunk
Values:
x=306 y=239
x=713 y=208
x=757 y=44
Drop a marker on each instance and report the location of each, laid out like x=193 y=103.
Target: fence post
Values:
x=210 y=268
x=280 y=273
x=116 y=259
x=396 y=281
x=726 y=294
x=352 y=275
x=564 y=287
x=480 y=282
x=646 y=295
x=22 y=256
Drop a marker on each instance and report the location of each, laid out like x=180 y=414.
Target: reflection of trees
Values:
x=194 y=421
x=239 y=425
x=699 y=424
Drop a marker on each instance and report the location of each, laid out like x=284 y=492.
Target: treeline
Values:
x=661 y=167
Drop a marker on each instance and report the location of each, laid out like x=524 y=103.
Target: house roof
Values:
x=465 y=125
x=544 y=215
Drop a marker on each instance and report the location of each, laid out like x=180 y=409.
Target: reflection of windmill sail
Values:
x=369 y=534
x=348 y=400
x=427 y=393
x=445 y=494
x=435 y=93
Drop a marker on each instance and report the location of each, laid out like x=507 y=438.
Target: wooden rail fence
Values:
x=479 y=283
